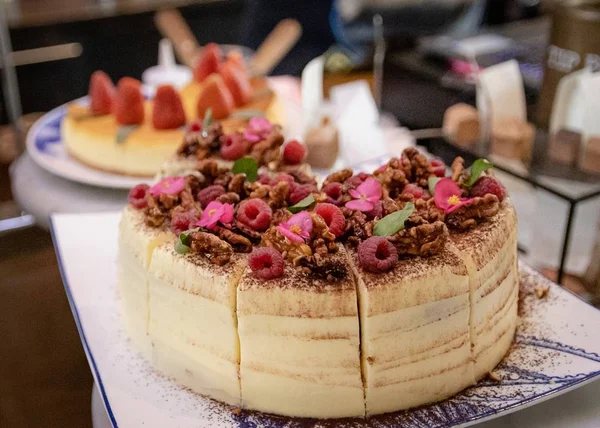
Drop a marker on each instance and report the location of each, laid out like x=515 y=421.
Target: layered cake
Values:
x=122 y=132
x=368 y=294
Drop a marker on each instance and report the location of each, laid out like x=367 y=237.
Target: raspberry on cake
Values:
x=382 y=299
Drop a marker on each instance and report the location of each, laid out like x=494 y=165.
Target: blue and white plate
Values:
x=556 y=350
x=46 y=148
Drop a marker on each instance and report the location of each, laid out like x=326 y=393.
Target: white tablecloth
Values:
x=576 y=409
x=40 y=193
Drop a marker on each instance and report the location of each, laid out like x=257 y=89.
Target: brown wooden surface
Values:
x=45 y=380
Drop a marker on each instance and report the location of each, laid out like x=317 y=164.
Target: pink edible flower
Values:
x=365 y=196
x=168 y=186
x=257 y=130
x=297 y=228
x=448 y=195
x=216 y=212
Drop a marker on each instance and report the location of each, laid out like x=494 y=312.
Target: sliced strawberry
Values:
x=167 y=111
x=215 y=96
x=128 y=103
x=101 y=93
x=236 y=59
x=208 y=63
x=238 y=84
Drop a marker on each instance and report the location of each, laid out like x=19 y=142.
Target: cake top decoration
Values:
x=407 y=207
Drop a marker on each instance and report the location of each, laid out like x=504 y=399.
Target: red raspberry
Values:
x=255 y=213
x=266 y=263
x=377 y=254
x=209 y=194
x=264 y=179
x=334 y=193
x=333 y=216
x=282 y=176
x=233 y=147
x=357 y=180
x=195 y=126
x=487 y=184
x=413 y=189
x=439 y=167
x=377 y=210
x=137 y=196
x=380 y=169
x=300 y=191
x=294 y=152
x=182 y=222
x=426 y=195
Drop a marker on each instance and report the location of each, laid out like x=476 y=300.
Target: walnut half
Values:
x=473 y=212
x=214 y=248
x=426 y=239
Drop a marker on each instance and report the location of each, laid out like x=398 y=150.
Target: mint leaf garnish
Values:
x=207 y=119
x=123 y=132
x=479 y=166
x=302 y=205
x=247 y=114
x=432 y=182
x=182 y=245
x=393 y=222
x=246 y=166
x=181 y=248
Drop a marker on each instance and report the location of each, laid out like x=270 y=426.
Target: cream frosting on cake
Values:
x=345 y=343
x=301 y=345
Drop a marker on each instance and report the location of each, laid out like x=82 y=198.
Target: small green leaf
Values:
x=247 y=114
x=479 y=166
x=207 y=119
x=303 y=204
x=182 y=245
x=432 y=182
x=393 y=222
x=246 y=166
x=181 y=248
x=123 y=132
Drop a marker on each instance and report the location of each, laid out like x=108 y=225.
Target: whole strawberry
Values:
x=487 y=184
x=208 y=63
x=128 y=103
x=101 y=93
x=167 y=109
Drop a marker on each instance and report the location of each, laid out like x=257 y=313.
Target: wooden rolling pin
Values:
x=278 y=43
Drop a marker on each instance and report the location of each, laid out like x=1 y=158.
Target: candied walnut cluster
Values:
x=473 y=212
x=162 y=208
x=224 y=213
x=420 y=238
x=212 y=142
x=310 y=251
x=202 y=143
x=267 y=151
x=215 y=249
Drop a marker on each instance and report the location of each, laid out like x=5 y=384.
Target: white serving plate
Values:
x=556 y=350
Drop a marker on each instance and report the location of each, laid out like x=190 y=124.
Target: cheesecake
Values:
x=301 y=344
x=415 y=331
x=121 y=132
x=371 y=294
